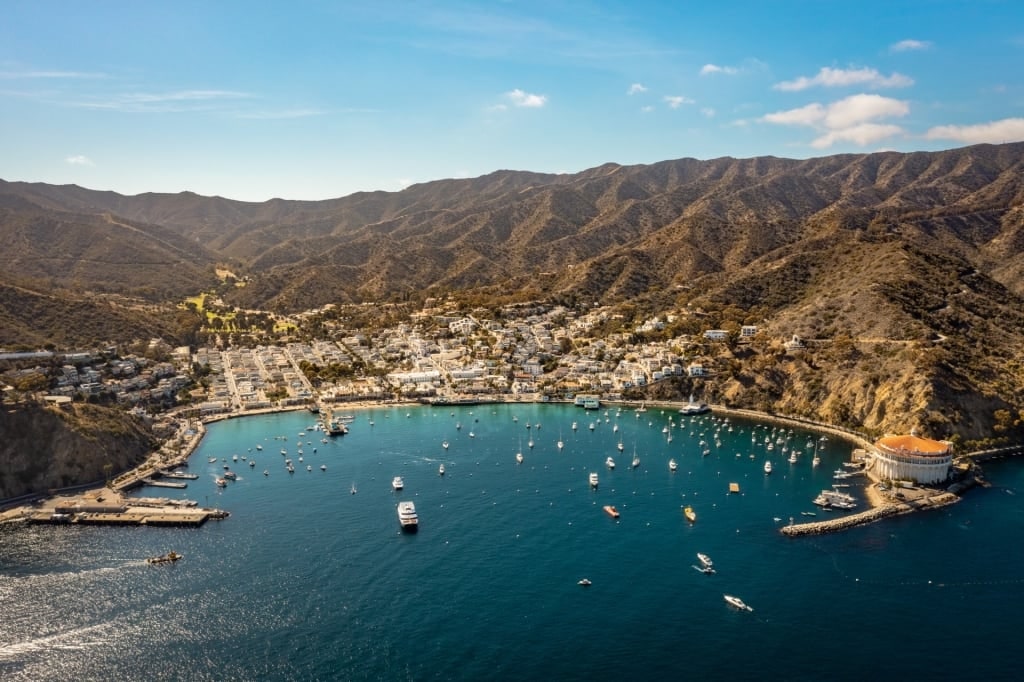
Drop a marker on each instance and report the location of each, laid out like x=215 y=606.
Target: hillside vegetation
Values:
x=905 y=270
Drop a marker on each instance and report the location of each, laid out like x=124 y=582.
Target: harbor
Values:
x=110 y=508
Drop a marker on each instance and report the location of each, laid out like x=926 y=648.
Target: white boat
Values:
x=353 y=491
x=610 y=463
x=252 y=463
x=472 y=435
x=694 y=407
x=767 y=466
x=560 y=444
x=585 y=582
x=835 y=499
x=636 y=460
x=259 y=447
x=397 y=483
x=266 y=472
x=444 y=445
x=519 y=458
x=593 y=479
x=792 y=457
x=440 y=470
x=212 y=460
x=323 y=467
x=672 y=466
x=704 y=560
x=529 y=443
x=620 y=446
x=407 y=517
x=574 y=426
x=737 y=602
x=221 y=483
x=309 y=467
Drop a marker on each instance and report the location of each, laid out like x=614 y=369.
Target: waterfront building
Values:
x=912 y=458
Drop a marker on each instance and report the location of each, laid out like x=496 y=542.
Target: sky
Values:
x=314 y=99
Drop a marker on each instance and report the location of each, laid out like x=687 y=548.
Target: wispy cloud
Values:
x=79 y=160
x=176 y=101
x=647 y=109
x=995 y=132
x=910 y=45
x=289 y=113
x=709 y=69
x=520 y=98
x=708 y=112
x=833 y=78
x=852 y=119
x=35 y=74
x=636 y=88
x=676 y=101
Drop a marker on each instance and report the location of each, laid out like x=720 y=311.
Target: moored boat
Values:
x=593 y=479
x=610 y=463
x=705 y=560
x=397 y=483
x=767 y=467
x=611 y=511
x=672 y=466
x=440 y=470
x=690 y=515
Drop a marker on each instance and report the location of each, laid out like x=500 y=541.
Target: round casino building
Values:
x=912 y=458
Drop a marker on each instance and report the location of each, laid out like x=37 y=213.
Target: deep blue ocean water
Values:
x=308 y=581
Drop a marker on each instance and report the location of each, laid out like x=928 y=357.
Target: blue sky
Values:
x=311 y=100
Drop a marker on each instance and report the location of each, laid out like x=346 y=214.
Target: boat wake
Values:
x=72 y=640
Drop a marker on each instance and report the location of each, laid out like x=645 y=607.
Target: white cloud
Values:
x=497 y=107
x=852 y=119
x=857 y=109
x=995 y=132
x=282 y=114
x=807 y=115
x=910 y=44
x=636 y=88
x=79 y=160
x=709 y=69
x=647 y=109
x=708 y=112
x=520 y=98
x=832 y=78
x=861 y=134
x=676 y=101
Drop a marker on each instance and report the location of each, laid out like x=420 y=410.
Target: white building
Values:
x=912 y=458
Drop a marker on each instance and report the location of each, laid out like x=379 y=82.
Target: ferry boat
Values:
x=611 y=511
x=767 y=467
x=705 y=560
x=737 y=602
x=407 y=517
x=593 y=479
x=168 y=558
x=397 y=483
x=672 y=466
x=835 y=499
x=690 y=515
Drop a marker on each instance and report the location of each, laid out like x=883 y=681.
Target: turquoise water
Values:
x=308 y=581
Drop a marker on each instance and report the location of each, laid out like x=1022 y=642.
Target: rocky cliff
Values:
x=43 y=448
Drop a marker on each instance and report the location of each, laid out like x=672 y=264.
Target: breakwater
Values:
x=870 y=515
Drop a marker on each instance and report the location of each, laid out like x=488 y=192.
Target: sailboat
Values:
x=519 y=455
x=817 y=459
x=353 y=488
x=636 y=458
x=561 y=444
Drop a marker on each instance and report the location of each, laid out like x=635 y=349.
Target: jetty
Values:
x=163 y=484
x=110 y=508
x=876 y=513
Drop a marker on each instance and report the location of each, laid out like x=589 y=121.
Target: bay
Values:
x=306 y=580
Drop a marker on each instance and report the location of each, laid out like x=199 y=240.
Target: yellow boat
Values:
x=690 y=515
x=168 y=558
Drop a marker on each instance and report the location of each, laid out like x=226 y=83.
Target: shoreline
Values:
x=161 y=459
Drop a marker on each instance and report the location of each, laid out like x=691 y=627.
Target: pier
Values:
x=109 y=508
x=940 y=499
